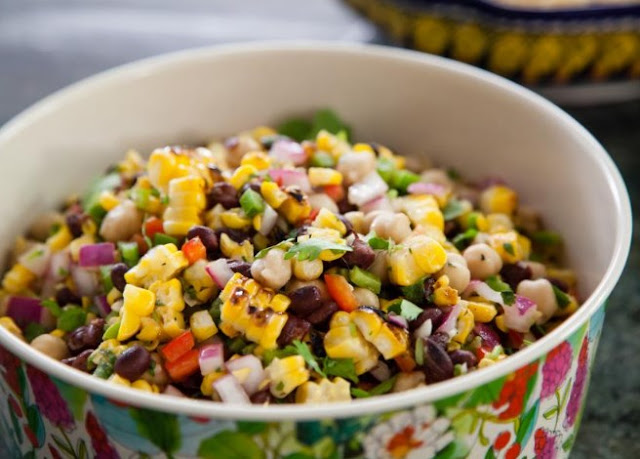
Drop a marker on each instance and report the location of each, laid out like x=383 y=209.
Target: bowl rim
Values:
x=379 y=404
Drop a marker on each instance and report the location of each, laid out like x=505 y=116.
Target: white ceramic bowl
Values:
x=459 y=116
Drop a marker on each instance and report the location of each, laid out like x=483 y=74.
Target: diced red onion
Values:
x=521 y=315
x=400 y=321
x=230 y=390
x=482 y=289
x=489 y=337
x=451 y=320
x=219 y=271
x=269 y=219
x=288 y=151
x=102 y=305
x=59 y=265
x=381 y=371
x=367 y=189
x=424 y=330
x=435 y=189
x=24 y=310
x=292 y=177
x=99 y=254
x=86 y=280
x=256 y=375
x=172 y=390
x=379 y=203
x=36 y=259
x=211 y=358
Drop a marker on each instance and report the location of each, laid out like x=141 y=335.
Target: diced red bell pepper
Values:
x=516 y=339
x=314 y=213
x=183 y=367
x=406 y=362
x=152 y=226
x=341 y=292
x=335 y=192
x=194 y=250
x=178 y=346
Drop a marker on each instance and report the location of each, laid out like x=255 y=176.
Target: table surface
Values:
x=45 y=45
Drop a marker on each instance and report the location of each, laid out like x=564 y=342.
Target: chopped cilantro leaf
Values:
x=462 y=240
x=414 y=292
x=308 y=357
x=508 y=247
x=546 y=238
x=501 y=287
x=380 y=389
x=344 y=368
x=453 y=209
x=406 y=309
x=284 y=245
x=311 y=248
x=378 y=243
x=562 y=298
x=52 y=306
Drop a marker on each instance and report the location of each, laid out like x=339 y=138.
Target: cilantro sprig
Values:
x=503 y=288
x=406 y=309
x=562 y=298
x=380 y=389
x=344 y=368
x=307 y=355
x=453 y=209
x=311 y=248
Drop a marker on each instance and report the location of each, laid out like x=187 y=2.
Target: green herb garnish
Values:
x=503 y=288
x=344 y=368
x=296 y=129
x=71 y=318
x=380 y=389
x=311 y=248
x=52 y=306
x=406 y=309
x=462 y=240
x=562 y=298
x=282 y=245
x=378 y=243
x=162 y=239
x=304 y=351
x=414 y=292
x=453 y=209
x=508 y=247
x=33 y=330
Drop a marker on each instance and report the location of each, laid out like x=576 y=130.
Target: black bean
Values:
x=117 y=276
x=262 y=397
x=238 y=266
x=562 y=285
x=513 y=274
x=79 y=362
x=347 y=224
x=437 y=363
x=222 y=193
x=323 y=313
x=451 y=228
x=460 y=356
x=207 y=237
x=86 y=337
x=344 y=206
x=305 y=300
x=65 y=296
x=441 y=338
x=434 y=314
x=317 y=343
x=253 y=185
x=429 y=284
x=294 y=329
x=132 y=363
x=234 y=235
x=361 y=256
x=74 y=222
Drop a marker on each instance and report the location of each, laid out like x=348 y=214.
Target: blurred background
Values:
x=586 y=60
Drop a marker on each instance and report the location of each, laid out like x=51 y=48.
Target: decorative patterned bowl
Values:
x=481 y=124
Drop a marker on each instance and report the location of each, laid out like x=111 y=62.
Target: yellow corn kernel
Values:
x=58 y=333
x=149 y=330
x=17 y=279
x=129 y=325
x=231 y=249
x=294 y=210
x=60 y=239
x=142 y=385
x=384 y=152
x=113 y=295
x=337 y=390
x=344 y=340
x=327 y=219
x=257 y=159
x=168 y=294
x=10 y=325
x=567 y=310
x=78 y=243
x=279 y=303
x=465 y=325
x=171 y=321
x=203 y=286
x=321 y=176
x=206 y=387
x=482 y=312
x=272 y=194
x=511 y=246
x=163 y=166
x=160 y=263
x=359 y=147
x=235 y=219
x=325 y=141
x=131 y=164
x=422 y=209
x=403 y=269
x=89 y=227
x=499 y=223
x=286 y=374
x=307 y=270
x=108 y=200
x=115 y=378
x=241 y=176
x=202 y=325
x=565 y=275
x=474 y=219
x=498 y=199
x=428 y=253
x=389 y=341
x=138 y=300
x=500 y=324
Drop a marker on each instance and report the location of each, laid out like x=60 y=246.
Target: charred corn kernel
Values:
x=327 y=219
x=252 y=310
x=272 y=193
x=242 y=175
x=296 y=207
x=113 y=295
x=428 y=253
x=308 y=269
x=465 y=325
x=390 y=341
x=235 y=219
x=108 y=200
x=511 y=246
x=164 y=165
x=337 y=390
x=231 y=249
x=17 y=279
x=500 y=324
x=499 y=223
x=482 y=312
x=149 y=330
x=498 y=199
x=202 y=286
x=10 y=326
x=171 y=321
x=142 y=385
x=202 y=325
x=161 y=263
x=60 y=239
x=257 y=159
x=58 y=333
x=403 y=269
x=443 y=294
x=344 y=341
x=321 y=176
x=117 y=379
x=286 y=374
x=422 y=209
x=206 y=387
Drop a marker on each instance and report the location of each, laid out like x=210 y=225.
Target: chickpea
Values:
x=51 y=345
x=538 y=270
x=322 y=200
x=541 y=293
x=457 y=272
x=308 y=269
x=366 y=297
x=121 y=222
x=367 y=219
x=380 y=266
x=406 y=381
x=297 y=284
x=395 y=226
x=354 y=166
x=438 y=176
x=272 y=271
x=482 y=261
